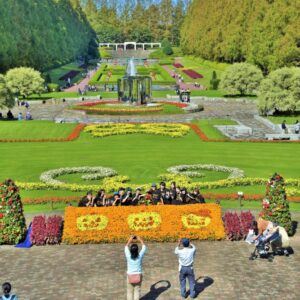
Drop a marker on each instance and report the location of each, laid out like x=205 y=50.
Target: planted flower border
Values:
x=205 y=138
x=93 y=174
x=152 y=223
x=190 y=170
x=72 y=136
x=167 y=129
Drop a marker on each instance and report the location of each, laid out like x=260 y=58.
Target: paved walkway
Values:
x=83 y=83
x=89 y=272
x=97 y=272
x=240 y=110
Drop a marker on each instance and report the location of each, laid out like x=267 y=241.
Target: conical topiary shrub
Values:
x=12 y=220
x=275 y=206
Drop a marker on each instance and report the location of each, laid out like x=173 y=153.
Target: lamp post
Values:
x=240 y=197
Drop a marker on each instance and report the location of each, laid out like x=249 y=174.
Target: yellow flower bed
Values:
x=168 y=129
x=152 y=223
x=113 y=183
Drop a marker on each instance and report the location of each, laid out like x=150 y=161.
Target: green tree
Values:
x=12 y=220
x=141 y=35
x=276 y=206
x=166 y=47
x=24 y=81
x=6 y=99
x=280 y=91
x=264 y=33
x=241 y=78
x=214 y=82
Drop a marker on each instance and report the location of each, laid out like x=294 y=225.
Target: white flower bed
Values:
x=190 y=170
x=93 y=173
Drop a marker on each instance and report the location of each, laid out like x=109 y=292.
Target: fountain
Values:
x=134 y=88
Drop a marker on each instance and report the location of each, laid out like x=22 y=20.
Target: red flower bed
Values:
x=43 y=200
x=193 y=74
x=46 y=230
x=71 y=75
x=178 y=65
x=237 y=226
x=75 y=133
x=178 y=104
x=54 y=230
x=38 y=232
x=98 y=102
x=73 y=136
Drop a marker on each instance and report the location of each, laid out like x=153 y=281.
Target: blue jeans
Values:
x=187 y=272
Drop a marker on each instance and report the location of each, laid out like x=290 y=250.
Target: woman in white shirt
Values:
x=134 y=267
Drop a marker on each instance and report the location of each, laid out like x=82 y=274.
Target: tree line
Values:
x=263 y=32
x=136 y=20
x=43 y=33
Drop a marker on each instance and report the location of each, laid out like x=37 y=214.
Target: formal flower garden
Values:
x=118 y=108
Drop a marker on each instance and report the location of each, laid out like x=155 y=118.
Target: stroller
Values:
x=263 y=244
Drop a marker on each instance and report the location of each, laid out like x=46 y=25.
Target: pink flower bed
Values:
x=178 y=65
x=193 y=74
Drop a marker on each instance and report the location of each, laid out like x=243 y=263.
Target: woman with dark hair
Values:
x=6 y=287
x=134 y=267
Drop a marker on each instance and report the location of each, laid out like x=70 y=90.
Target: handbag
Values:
x=134 y=278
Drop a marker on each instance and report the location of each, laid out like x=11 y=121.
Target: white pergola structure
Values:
x=134 y=44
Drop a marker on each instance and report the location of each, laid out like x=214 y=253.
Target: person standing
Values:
x=134 y=267
x=186 y=255
x=297 y=127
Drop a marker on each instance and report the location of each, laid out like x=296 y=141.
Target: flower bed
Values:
x=152 y=223
x=237 y=226
x=94 y=173
x=167 y=129
x=73 y=136
x=193 y=74
x=190 y=170
x=178 y=65
x=71 y=74
x=46 y=230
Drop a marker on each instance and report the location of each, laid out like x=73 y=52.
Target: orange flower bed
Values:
x=152 y=223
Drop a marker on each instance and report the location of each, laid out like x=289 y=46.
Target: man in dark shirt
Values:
x=155 y=195
x=137 y=196
x=87 y=200
x=125 y=196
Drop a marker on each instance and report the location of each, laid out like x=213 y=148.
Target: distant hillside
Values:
x=264 y=32
x=42 y=33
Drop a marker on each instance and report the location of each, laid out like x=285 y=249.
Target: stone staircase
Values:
x=259 y=130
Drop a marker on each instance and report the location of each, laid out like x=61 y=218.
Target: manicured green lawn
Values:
x=207 y=126
x=34 y=130
x=289 y=119
x=56 y=73
x=144 y=157
x=202 y=68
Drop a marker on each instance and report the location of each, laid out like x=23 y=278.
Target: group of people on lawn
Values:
x=155 y=196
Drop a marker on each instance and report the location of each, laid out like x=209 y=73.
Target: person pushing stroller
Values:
x=273 y=236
